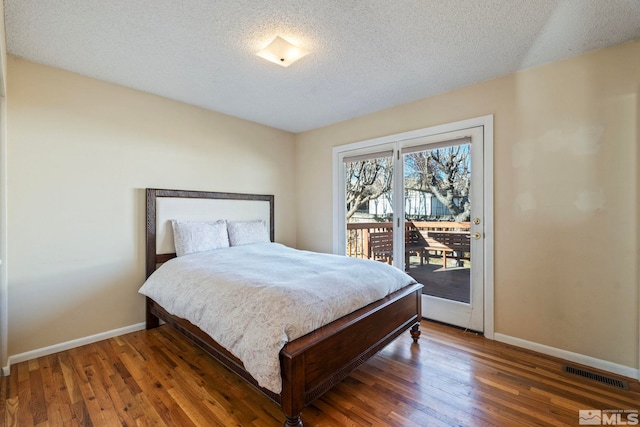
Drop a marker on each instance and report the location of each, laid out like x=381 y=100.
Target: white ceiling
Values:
x=366 y=55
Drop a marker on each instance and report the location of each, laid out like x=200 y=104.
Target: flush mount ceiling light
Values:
x=281 y=52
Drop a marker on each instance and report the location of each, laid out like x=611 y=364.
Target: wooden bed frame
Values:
x=311 y=364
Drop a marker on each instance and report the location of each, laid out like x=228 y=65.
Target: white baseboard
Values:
x=45 y=351
x=604 y=365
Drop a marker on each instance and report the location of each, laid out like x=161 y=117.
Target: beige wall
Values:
x=566 y=195
x=80 y=154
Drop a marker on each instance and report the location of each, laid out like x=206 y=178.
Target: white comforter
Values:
x=254 y=299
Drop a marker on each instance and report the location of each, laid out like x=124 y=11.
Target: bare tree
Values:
x=445 y=173
x=366 y=180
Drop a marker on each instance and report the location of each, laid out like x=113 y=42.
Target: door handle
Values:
x=477 y=235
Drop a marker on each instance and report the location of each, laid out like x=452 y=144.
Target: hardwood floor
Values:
x=451 y=378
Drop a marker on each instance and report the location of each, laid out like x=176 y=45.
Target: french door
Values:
x=444 y=218
x=417 y=201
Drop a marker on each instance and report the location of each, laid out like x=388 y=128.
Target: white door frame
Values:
x=378 y=144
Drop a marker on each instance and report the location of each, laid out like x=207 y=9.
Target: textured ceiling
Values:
x=366 y=55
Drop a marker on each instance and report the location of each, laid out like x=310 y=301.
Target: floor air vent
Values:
x=593 y=376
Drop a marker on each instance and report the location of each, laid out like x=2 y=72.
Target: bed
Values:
x=309 y=365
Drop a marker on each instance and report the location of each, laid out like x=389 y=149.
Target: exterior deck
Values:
x=450 y=283
x=437 y=254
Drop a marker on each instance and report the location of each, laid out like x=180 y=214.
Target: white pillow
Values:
x=247 y=232
x=198 y=236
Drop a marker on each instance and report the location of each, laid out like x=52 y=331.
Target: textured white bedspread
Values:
x=254 y=299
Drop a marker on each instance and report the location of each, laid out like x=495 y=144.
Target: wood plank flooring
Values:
x=451 y=378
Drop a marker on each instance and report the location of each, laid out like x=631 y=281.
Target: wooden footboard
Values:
x=314 y=363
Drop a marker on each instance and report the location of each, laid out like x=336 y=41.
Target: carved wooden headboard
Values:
x=164 y=205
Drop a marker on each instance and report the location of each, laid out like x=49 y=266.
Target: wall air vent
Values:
x=593 y=376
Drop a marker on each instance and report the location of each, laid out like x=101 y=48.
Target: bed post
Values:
x=293 y=384
x=415 y=332
x=293 y=421
x=415 y=329
x=150 y=243
x=152 y=320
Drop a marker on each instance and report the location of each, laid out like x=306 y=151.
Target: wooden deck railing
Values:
x=358 y=234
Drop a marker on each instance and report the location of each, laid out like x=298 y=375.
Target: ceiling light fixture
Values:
x=281 y=52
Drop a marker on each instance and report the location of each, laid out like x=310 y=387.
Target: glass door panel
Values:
x=437 y=211
x=369 y=206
